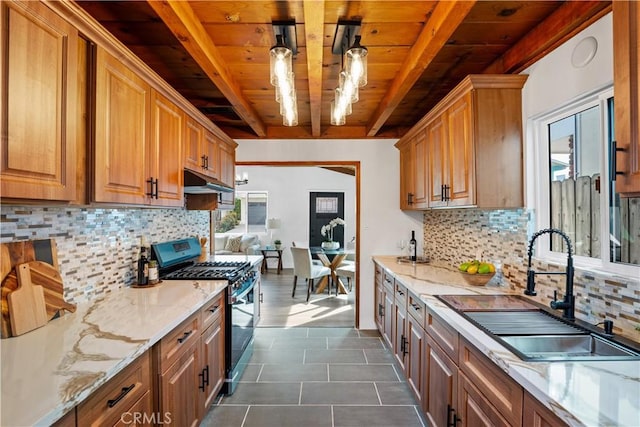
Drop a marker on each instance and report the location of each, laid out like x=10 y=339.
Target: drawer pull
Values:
x=125 y=390
x=184 y=337
x=206 y=375
x=400 y=292
x=214 y=309
x=415 y=306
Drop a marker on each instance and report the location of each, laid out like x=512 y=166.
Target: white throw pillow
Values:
x=247 y=241
x=220 y=242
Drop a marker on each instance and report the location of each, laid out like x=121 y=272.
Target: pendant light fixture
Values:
x=281 y=70
x=353 y=75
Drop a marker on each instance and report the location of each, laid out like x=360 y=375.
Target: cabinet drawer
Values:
x=176 y=342
x=379 y=274
x=443 y=334
x=141 y=414
x=495 y=385
x=400 y=294
x=212 y=311
x=416 y=308
x=388 y=282
x=107 y=404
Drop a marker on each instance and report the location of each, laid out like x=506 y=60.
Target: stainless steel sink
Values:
x=567 y=348
x=536 y=335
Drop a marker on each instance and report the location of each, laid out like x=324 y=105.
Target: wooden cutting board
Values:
x=26 y=304
x=15 y=253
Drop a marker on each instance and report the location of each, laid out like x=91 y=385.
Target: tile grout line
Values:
x=366 y=360
x=246 y=414
x=375 y=386
x=260 y=373
x=300 y=394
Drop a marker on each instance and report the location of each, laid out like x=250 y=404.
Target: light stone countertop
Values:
x=48 y=371
x=603 y=393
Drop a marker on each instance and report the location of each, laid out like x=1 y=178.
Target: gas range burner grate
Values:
x=222 y=264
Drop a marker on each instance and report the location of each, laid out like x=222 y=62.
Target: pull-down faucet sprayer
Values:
x=568 y=302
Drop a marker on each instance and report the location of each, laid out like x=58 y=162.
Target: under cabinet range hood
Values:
x=198 y=183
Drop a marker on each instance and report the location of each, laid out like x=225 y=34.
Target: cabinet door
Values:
x=227 y=164
x=414 y=368
x=38 y=112
x=121 y=161
x=474 y=410
x=535 y=414
x=165 y=152
x=379 y=306
x=626 y=82
x=388 y=311
x=442 y=383
x=421 y=181
x=213 y=362
x=211 y=153
x=461 y=169
x=438 y=173
x=193 y=156
x=400 y=334
x=178 y=389
x=407 y=192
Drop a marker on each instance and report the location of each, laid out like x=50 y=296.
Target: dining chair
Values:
x=304 y=268
x=348 y=271
x=295 y=244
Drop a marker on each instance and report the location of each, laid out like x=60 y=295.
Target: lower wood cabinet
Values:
x=441 y=391
x=454 y=383
x=535 y=414
x=123 y=400
x=190 y=365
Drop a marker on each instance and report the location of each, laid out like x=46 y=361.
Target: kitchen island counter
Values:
x=602 y=393
x=48 y=371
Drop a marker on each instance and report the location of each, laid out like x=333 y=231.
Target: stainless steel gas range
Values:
x=177 y=260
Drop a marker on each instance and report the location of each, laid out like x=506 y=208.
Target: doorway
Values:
x=323 y=207
x=346 y=167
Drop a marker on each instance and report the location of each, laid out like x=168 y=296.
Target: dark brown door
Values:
x=323 y=207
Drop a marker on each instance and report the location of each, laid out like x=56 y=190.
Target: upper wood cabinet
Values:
x=138 y=139
x=474 y=144
x=38 y=109
x=121 y=139
x=413 y=173
x=626 y=85
x=165 y=161
x=200 y=149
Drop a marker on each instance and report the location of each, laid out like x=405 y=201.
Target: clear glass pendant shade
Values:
x=356 y=63
x=281 y=61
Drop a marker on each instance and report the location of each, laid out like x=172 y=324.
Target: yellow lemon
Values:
x=473 y=269
x=492 y=268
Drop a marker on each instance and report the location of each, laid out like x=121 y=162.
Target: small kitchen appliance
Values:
x=178 y=260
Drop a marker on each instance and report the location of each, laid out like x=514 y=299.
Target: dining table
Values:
x=331 y=258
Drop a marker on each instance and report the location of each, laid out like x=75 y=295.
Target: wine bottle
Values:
x=412 y=246
x=143 y=267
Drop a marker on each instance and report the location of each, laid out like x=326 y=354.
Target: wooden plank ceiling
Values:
x=216 y=54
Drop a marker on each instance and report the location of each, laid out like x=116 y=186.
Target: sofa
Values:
x=241 y=244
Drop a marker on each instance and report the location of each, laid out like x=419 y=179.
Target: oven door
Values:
x=239 y=332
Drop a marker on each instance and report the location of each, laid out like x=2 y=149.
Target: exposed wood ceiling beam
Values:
x=568 y=20
x=314 y=31
x=180 y=18
x=345 y=170
x=444 y=20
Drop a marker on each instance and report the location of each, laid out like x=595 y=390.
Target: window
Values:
x=248 y=216
x=576 y=194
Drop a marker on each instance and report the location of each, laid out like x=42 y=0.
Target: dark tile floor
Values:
x=329 y=377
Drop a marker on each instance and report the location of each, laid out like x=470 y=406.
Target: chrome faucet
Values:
x=568 y=302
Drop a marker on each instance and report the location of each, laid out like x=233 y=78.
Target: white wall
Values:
x=382 y=222
x=554 y=81
x=288 y=191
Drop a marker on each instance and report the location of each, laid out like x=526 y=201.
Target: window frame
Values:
x=540 y=185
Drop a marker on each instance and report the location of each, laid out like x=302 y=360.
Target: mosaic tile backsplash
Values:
x=98 y=248
x=453 y=236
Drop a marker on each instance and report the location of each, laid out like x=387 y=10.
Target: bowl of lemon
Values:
x=477 y=273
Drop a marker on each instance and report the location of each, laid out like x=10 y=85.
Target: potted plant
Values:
x=327 y=232
x=278 y=244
